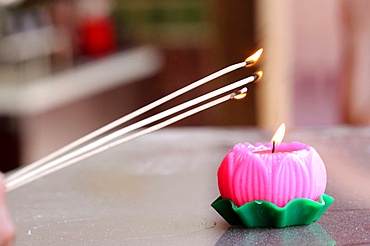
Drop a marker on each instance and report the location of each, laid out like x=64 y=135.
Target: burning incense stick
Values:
x=250 y=61
x=103 y=144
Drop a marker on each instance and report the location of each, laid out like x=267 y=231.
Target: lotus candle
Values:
x=274 y=173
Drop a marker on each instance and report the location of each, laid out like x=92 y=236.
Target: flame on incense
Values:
x=253 y=58
x=259 y=74
x=279 y=135
x=239 y=94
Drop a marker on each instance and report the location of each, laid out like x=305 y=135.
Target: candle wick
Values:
x=273 y=147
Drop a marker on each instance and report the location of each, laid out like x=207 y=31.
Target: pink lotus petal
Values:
x=251 y=172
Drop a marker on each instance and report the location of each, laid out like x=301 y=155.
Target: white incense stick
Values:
x=248 y=62
x=20 y=182
x=22 y=179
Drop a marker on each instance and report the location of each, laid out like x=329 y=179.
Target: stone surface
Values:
x=157 y=190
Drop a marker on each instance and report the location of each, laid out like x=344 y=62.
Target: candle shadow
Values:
x=312 y=234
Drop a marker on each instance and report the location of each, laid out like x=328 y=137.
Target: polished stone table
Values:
x=157 y=190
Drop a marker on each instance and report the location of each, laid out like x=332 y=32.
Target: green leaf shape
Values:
x=299 y=211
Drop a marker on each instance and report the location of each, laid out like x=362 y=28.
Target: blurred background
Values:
x=68 y=67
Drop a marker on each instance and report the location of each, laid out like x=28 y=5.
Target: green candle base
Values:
x=299 y=211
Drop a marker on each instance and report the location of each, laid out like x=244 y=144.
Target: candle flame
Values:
x=279 y=135
x=251 y=60
x=240 y=94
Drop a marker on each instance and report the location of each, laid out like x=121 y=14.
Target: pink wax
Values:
x=252 y=172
